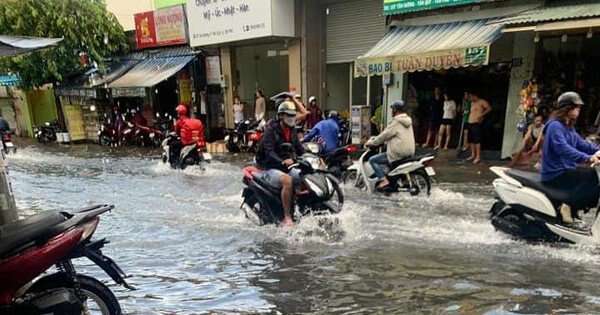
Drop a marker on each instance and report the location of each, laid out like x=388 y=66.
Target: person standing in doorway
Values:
x=260 y=105
x=238 y=110
x=436 y=113
x=466 y=110
x=314 y=113
x=447 y=122
x=377 y=119
x=479 y=109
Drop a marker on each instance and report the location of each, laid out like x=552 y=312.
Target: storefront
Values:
x=455 y=57
x=560 y=52
x=256 y=50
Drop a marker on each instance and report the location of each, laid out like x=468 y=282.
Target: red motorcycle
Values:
x=29 y=247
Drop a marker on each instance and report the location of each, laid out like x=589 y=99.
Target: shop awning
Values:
x=430 y=47
x=558 y=11
x=114 y=71
x=15 y=45
x=151 y=71
x=9 y=80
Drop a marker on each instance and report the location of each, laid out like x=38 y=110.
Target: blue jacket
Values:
x=326 y=134
x=563 y=150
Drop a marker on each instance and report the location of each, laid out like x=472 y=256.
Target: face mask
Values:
x=290 y=121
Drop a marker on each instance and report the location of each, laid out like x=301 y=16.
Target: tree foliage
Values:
x=86 y=26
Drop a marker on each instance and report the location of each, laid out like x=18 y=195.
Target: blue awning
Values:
x=429 y=47
x=9 y=80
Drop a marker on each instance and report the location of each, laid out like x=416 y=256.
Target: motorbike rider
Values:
x=271 y=157
x=189 y=130
x=400 y=140
x=4 y=126
x=326 y=133
x=563 y=150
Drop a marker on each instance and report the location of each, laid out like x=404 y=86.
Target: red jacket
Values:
x=191 y=131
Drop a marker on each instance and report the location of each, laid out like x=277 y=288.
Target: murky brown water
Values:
x=189 y=250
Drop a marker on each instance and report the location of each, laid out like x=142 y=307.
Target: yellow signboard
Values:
x=74 y=120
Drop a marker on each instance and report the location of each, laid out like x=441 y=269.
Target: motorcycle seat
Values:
x=36 y=227
x=534 y=181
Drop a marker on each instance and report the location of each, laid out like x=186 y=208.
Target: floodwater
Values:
x=189 y=250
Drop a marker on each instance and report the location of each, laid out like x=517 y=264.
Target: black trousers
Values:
x=582 y=186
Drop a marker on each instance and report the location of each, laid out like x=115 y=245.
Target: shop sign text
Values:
x=391 y=7
x=162 y=27
x=455 y=58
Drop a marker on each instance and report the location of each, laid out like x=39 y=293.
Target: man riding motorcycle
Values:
x=563 y=150
x=326 y=132
x=400 y=140
x=189 y=130
x=270 y=156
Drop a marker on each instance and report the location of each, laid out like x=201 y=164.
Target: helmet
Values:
x=181 y=110
x=397 y=106
x=569 y=99
x=333 y=114
x=312 y=99
x=287 y=107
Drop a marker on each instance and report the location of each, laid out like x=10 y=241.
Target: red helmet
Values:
x=181 y=110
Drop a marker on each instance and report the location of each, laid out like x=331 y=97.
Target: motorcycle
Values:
x=413 y=174
x=7 y=145
x=47 y=132
x=29 y=247
x=107 y=134
x=337 y=162
x=319 y=193
x=189 y=155
x=245 y=137
x=527 y=209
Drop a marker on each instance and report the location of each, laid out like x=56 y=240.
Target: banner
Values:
x=162 y=27
x=405 y=6
x=446 y=59
x=216 y=22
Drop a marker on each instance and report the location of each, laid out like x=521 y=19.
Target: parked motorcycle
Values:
x=29 y=247
x=245 y=137
x=180 y=157
x=47 y=132
x=529 y=210
x=107 y=134
x=413 y=174
x=7 y=145
x=319 y=193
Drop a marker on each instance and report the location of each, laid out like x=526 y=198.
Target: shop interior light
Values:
x=589 y=34
x=564 y=38
x=536 y=39
x=93 y=108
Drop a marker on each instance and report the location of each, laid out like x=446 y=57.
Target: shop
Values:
x=560 y=52
x=413 y=60
x=256 y=49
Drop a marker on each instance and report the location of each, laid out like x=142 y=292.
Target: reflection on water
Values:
x=189 y=250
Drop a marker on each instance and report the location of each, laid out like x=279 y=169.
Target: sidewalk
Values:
x=455 y=169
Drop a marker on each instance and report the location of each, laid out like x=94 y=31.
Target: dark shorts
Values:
x=475 y=133
x=581 y=184
x=448 y=122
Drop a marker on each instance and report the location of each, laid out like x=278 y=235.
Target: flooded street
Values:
x=189 y=249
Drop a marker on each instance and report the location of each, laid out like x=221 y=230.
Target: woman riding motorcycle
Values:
x=564 y=149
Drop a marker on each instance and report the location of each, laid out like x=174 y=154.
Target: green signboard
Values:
x=159 y=4
x=404 y=6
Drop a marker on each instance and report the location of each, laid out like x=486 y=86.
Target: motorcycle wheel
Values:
x=421 y=183
x=104 y=141
x=232 y=148
x=349 y=176
x=99 y=298
x=336 y=201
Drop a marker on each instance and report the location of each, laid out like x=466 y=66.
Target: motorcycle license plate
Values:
x=430 y=171
x=9 y=145
x=207 y=156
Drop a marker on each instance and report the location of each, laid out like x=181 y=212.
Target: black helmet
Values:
x=569 y=99
x=397 y=106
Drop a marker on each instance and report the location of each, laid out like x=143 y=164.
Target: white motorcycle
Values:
x=412 y=174
x=528 y=209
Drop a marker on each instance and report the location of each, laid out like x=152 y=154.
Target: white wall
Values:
x=125 y=9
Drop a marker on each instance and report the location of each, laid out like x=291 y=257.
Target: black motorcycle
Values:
x=179 y=156
x=337 y=162
x=244 y=137
x=319 y=193
x=46 y=133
